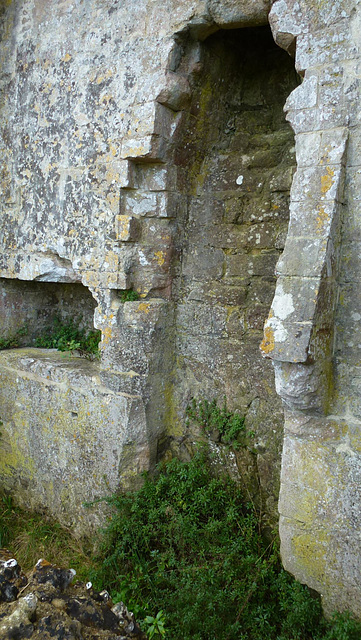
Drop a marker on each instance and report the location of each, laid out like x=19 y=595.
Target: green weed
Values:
x=129 y=295
x=229 y=426
x=186 y=544
x=14 y=340
x=154 y=626
x=68 y=336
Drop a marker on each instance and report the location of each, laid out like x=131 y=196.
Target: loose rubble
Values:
x=49 y=604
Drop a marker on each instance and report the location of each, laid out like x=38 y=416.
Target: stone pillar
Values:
x=312 y=330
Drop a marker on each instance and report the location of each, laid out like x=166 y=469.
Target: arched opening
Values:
x=235 y=162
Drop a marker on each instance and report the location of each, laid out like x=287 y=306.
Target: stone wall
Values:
x=234 y=156
x=312 y=330
x=143 y=147
x=141 y=152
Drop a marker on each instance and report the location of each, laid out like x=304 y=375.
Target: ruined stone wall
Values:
x=143 y=147
x=97 y=100
x=235 y=158
x=312 y=333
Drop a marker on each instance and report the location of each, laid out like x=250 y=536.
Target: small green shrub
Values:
x=129 y=295
x=68 y=336
x=186 y=544
x=154 y=626
x=14 y=340
x=211 y=418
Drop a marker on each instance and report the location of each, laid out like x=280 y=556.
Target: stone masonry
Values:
x=144 y=148
x=312 y=330
x=145 y=151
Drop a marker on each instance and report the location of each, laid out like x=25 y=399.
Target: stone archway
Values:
x=234 y=157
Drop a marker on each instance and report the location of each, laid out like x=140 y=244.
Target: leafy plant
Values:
x=211 y=418
x=186 y=544
x=69 y=336
x=155 y=626
x=129 y=295
x=14 y=340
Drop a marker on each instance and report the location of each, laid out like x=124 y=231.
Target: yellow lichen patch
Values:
x=106 y=335
x=113 y=201
x=160 y=257
x=105 y=100
x=143 y=307
x=322 y=218
x=268 y=343
x=327 y=180
x=122 y=227
x=16 y=460
x=67 y=57
x=111 y=261
x=108 y=73
x=311 y=551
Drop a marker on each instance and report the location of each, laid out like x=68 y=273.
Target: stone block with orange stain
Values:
x=127 y=228
x=149 y=312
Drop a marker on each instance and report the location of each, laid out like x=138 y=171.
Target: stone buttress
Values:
x=312 y=332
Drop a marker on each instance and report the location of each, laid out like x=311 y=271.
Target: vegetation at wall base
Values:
x=30 y=536
x=187 y=545
x=66 y=335
x=14 y=340
x=187 y=555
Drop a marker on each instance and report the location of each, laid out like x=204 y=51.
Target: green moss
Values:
x=129 y=295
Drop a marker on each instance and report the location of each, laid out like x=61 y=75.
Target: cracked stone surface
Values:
x=144 y=147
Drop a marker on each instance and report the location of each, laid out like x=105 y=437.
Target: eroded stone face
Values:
x=137 y=155
x=139 y=151
x=235 y=160
x=314 y=341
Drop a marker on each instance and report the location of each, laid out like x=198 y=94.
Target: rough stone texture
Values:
x=235 y=161
x=71 y=437
x=312 y=333
x=139 y=152
x=142 y=149
x=50 y=605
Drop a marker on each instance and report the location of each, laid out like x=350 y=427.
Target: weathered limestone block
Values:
x=66 y=438
x=232 y=14
x=138 y=155
x=312 y=332
x=319 y=507
x=126 y=228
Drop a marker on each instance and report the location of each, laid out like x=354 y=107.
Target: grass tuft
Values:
x=32 y=536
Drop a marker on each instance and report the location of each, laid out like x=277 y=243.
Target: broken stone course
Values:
x=312 y=332
x=143 y=147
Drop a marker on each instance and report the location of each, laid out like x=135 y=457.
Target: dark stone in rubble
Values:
x=52 y=626
x=52 y=608
x=46 y=572
x=92 y=614
x=12 y=579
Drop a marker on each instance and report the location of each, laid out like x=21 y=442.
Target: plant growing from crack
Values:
x=229 y=426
